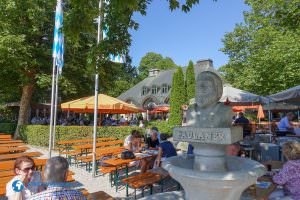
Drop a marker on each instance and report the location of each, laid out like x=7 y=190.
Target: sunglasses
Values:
x=28 y=168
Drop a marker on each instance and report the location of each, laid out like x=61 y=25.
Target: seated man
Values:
x=153 y=141
x=56 y=172
x=244 y=122
x=285 y=123
x=165 y=150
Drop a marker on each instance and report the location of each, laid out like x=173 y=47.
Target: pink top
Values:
x=289 y=177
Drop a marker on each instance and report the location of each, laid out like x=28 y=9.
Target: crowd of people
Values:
x=155 y=141
x=81 y=120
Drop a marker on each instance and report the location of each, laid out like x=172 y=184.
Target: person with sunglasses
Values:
x=21 y=187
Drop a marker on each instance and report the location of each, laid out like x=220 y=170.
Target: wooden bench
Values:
x=11 y=145
x=10 y=141
x=100 y=153
x=142 y=180
x=17 y=155
x=13 y=150
x=5 y=137
x=99 y=195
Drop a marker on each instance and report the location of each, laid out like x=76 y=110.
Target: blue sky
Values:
x=186 y=36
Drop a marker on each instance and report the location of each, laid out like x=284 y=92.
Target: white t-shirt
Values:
x=26 y=192
x=127 y=140
x=284 y=124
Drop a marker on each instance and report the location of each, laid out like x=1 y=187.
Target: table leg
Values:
x=116 y=179
x=126 y=177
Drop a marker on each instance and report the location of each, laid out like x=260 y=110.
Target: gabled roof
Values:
x=135 y=93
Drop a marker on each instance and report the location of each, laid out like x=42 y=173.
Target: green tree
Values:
x=190 y=81
x=264 y=50
x=177 y=97
x=25 y=58
x=154 y=61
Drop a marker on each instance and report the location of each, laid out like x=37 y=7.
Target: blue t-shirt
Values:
x=168 y=149
x=190 y=150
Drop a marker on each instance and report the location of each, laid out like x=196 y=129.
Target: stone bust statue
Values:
x=206 y=111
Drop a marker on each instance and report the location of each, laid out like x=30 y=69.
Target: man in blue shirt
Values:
x=285 y=123
x=244 y=122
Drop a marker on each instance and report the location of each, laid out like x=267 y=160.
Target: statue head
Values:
x=209 y=89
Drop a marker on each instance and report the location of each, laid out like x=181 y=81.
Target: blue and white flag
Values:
x=58 y=43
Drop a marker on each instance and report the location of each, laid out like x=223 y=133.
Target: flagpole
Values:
x=52 y=106
x=96 y=97
x=55 y=108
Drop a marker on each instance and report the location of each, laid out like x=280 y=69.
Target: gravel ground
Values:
x=102 y=183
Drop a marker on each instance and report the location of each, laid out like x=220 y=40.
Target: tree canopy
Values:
x=264 y=51
x=154 y=61
x=25 y=55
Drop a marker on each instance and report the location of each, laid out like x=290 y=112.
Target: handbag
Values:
x=127 y=155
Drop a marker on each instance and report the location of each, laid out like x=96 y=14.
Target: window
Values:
x=165 y=88
x=144 y=91
x=154 y=89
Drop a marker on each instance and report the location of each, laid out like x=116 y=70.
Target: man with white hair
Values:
x=56 y=172
x=154 y=130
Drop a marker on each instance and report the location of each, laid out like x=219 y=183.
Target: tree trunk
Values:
x=24 y=107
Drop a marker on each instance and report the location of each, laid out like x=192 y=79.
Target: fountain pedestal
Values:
x=210 y=175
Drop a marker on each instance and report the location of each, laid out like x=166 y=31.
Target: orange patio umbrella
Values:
x=106 y=105
x=260 y=113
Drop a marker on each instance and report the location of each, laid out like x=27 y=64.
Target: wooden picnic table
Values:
x=12 y=173
x=11 y=145
x=263 y=193
x=67 y=142
x=13 y=150
x=11 y=141
x=9 y=165
x=99 y=144
x=118 y=163
x=17 y=155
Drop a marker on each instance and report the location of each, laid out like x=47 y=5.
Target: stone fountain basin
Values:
x=241 y=172
x=213 y=185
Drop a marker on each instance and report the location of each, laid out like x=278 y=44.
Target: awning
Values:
x=260 y=113
x=106 y=104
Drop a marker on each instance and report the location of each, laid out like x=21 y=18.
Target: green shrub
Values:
x=177 y=97
x=39 y=134
x=163 y=126
x=8 y=128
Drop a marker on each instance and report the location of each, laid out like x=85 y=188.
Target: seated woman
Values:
x=289 y=176
x=133 y=143
x=165 y=150
x=24 y=169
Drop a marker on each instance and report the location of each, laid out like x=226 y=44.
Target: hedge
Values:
x=39 y=134
x=163 y=126
x=8 y=128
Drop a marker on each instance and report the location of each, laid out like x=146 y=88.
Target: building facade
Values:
x=154 y=91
